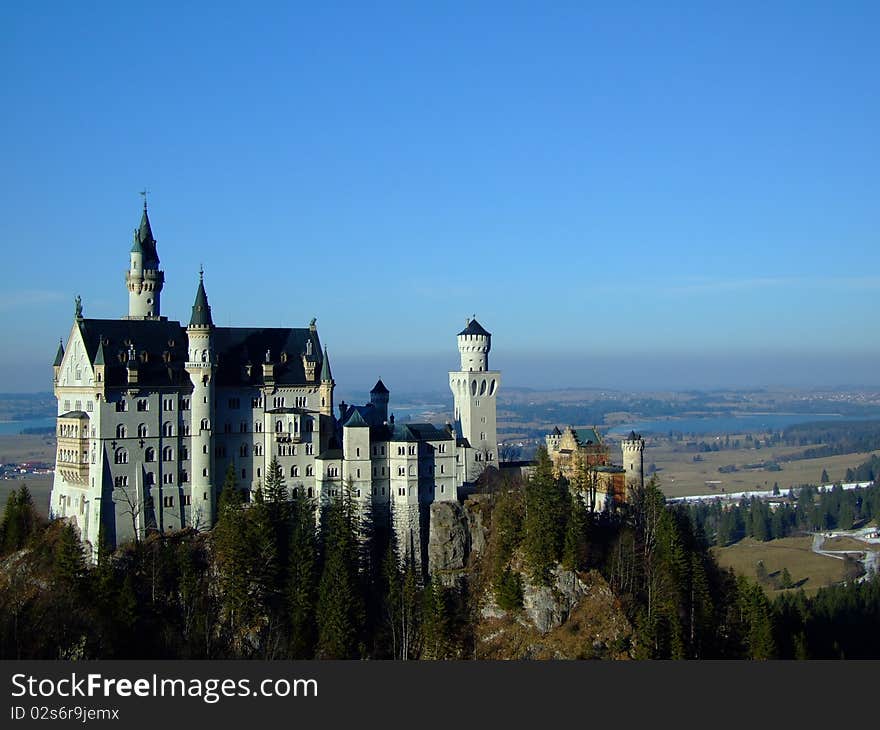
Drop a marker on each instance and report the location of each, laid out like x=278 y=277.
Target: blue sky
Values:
x=626 y=194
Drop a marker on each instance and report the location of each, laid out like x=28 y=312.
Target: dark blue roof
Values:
x=474 y=328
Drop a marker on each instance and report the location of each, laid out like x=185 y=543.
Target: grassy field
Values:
x=15 y=449
x=808 y=570
x=680 y=475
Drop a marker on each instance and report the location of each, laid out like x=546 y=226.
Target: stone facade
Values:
x=153 y=414
x=582 y=457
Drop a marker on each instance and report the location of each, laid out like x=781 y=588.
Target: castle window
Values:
x=401 y=471
x=121 y=406
x=184 y=404
x=483 y=386
x=167 y=501
x=244 y=473
x=243 y=427
x=383 y=450
x=257 y=402
x=227 y=428
x=167 y=478
x=294 y=471
x=357 y=452
x=78 y=405
x=412 y=450
x=142 y=431
x=204 y=472
x=150 y=455
x=258 y=427
x=184 y=477
x=412 y=470
x=185 y=429
x=278 y=427
x=489 y=456
x=492 y=388
x=149 y=479
x=310 y=491
x=184 y=453
x=442 y=487
x=167 y=454
x=442 y=448
x=121 y=481
x=259 y=472
x=143 y=404
x=204 y=448
x=442 y=468
x=234 y=403
x=358 y=473
x=310 y=450
x=258 y=449
x=401 y=450
x=205 y=425
x=89 y=406
x=167 y=428
x=168 y=404
x=310 y=472
x=333 y=471
x=66 y=405
x=120 y=431
x=187 y=500
x=243 y=451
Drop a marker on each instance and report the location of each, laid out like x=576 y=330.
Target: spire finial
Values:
x=201 y=272
x=144 y=193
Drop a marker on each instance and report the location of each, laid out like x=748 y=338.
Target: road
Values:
x=870 y=559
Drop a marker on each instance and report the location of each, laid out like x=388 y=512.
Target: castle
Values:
x=582 y=457
x=153 y=413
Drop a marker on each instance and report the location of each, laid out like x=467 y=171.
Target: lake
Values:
x=8 y=428
x=748 y=423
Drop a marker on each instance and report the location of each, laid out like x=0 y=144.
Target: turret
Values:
x=143 y=279
x=474 y=390
x=633 y=462
x=59 y=358
x=326 y=387
x=474 y=344
x=379 y=398
x=200 y=366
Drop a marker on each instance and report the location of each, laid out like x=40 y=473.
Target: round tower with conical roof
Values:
x=475 y=391
x=633 y=462
x=201 y=366
x=379 y=396
x=144 y=280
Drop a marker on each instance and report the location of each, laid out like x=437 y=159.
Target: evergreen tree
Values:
x=340 y=605
x=302 y=587
x=545 y=519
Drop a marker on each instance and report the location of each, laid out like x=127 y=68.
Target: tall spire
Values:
x=325 y=368
x=144 y=239
x=201 y=311
x=59 y=356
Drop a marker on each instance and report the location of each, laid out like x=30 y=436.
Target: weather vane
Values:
x=144 y=193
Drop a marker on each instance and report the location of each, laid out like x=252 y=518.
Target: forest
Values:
x=271 y=581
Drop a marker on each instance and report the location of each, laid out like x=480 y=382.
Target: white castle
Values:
x=152 y=413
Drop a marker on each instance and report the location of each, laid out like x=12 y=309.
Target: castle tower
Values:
x=200 y=365
x=633 y=462
x=326 y=387
x=143 y=279
x=379 y=398
x=475 y=390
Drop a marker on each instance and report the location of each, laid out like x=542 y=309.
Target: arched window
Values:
x=205 y=425
x=294 y=471
x=412 y=470
x=167 y=454
x=121 y=456
x=278 y=426
x=243 y=451
x=120 y=431
x=150 y=455
x=167 y=428
x=142 y=430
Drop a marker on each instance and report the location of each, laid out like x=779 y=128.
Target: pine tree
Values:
x=340 y=606
x=545 y=519
x=302 y=579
